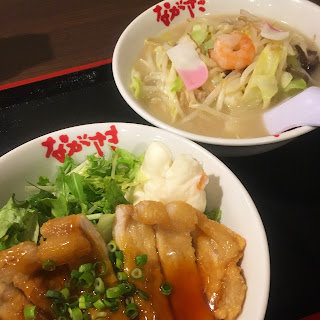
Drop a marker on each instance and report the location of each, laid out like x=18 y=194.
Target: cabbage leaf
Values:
x=199 y=33
x=136 y=83
x=263 y=84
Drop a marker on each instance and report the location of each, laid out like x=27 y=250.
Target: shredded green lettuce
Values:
x=95 y=187
x=136 y=83
x=19 y=223
x=199 y=33
x=263 y=84
x=177 y=84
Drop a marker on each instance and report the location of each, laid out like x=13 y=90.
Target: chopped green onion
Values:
x=75 y=314
x=48 y=265
x=74 y=280
x=112 y=304
x=124 y=288
x=119 y=254
x=91 y=298
x=141 y=260
x=130 y=287
x=112 y=257
x=86 y=267
x=113 y=292
x=86 y=280
x=166 y=288
x=82 y=302
x=129 y=300
x=73 y=301
x=66 y=293
x=99 y=285
x=99 y=305
x=144 y=295
x=100 y=268
x=54 y=295
x=112 y=246
x=86 y=316
x=136 y=273
x=30 y=312
x=75 y=274
x=122 y=276
x=119 y=263
x=59 y=308
x=131 y=311
x=101 y=315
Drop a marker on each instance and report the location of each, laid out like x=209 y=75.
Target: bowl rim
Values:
x=168 y=135
x=134 y=103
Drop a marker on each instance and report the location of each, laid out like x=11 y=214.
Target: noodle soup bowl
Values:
x=300 y=14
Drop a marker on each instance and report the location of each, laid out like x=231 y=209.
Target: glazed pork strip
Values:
x=218 y=250
x=12 y=303
x=135 y=238
x=173 y=224
x=73 y=240
x=65 y=237
x=21 y=272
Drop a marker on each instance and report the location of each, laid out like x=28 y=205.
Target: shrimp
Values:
x=233 y=51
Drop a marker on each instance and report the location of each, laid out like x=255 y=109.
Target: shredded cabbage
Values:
x=136 y=83
x=263 y=84
x=296 y=83
x=206 y=46
x=285 y=79
x=199 y=33
x=177 y=85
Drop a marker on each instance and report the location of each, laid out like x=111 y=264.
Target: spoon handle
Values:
x=303 y=109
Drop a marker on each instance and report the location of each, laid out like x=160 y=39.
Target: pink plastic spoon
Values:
x=301 y=110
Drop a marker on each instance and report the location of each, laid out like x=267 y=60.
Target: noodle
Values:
x=235 y=91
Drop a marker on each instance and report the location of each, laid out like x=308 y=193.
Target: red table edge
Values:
x=315 y=316
x=55 y=74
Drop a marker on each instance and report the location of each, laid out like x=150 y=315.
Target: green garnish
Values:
x=48 y=265
x=30 y=312
x=132 y=311
x=121 y=276
x=141 y=260
x=94 y=187
x=112 y=246
x=99 y=286
x=144 y=295
x=166 y=288
x=136 y=274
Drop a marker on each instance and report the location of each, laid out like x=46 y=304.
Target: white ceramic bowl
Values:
x=29 y=161
x=300 y=14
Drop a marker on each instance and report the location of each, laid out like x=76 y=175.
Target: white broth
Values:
x=231 y=102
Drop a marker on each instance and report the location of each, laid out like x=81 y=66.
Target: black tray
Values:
x=284 y=183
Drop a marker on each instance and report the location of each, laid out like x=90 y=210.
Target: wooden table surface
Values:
x=39 y=37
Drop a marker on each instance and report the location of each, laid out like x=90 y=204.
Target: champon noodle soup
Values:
x=216 y=75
